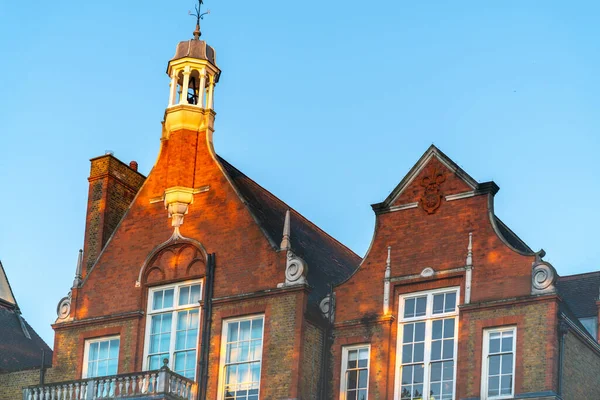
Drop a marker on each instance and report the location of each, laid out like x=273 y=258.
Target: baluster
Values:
x=126 y=385
x=100 y=388
x=145 y=383
x=113 y=387
x=46 y=393
x=120 y=386
x=32 y=394
x=70 y=392
x=150 y=383
x=76 y=390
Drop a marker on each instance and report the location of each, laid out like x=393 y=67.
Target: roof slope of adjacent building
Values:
x=20 y=346
x=329 y=261
x=580 y=292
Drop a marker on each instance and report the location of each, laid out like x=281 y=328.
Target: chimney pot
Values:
x=133 y=165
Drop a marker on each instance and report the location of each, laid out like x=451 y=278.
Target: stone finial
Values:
x=78 y=270
x=469 y=262
x=285 y=241
x=386 y=282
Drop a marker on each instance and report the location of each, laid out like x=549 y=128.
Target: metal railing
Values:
x=162 y=383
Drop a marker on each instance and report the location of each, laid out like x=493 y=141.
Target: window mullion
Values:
x=172 y=340
x=427 y=356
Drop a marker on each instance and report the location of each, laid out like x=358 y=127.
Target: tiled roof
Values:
x=20 y=346
x=17 y=351
x=580 y=292
x=328 y=260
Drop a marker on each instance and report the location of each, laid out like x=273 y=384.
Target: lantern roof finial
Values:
x=199 y=15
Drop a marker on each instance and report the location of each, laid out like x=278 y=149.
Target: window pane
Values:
x=419 y=352
x=448 y=351
x=438 y=303
x=195 y=294
x=420 y=332
x=448 y=370
x=362 y=378
x=232 y=332
x=114 y=348
x=494 y=386
x=103 y=353
x=506 y=384
x=362 y=395
x=257 y=329
x=437 y=328
x=93 y=352
x=408 y=334
x=407 y=373
x=507 y=342
x=449 y=328
x=494 y=345
x=436 y=350
x=421 y=306
x=184 y=295
x=418 y=376
x=157 y=300
x=351 y=379
x=409 y=308
x=244 y=330
x=450 y=305
x=494 y=365
x=168 y=298
x=507 y=364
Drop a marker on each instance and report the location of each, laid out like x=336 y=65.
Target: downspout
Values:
x=43 y=368
x=563 y=329
x=206 y=324
x=327 y=339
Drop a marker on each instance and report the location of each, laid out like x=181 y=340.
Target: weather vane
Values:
x=199 y=15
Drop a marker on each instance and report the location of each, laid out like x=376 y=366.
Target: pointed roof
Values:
x=329 y=261
x=20 y=346
x=6 y=293
x=431 y=152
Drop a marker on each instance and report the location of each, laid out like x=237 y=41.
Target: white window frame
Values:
x=484 y=361
x=86 y=352
x=428 y=318
x=173 y=310
x=223 y=357
x=345 y=350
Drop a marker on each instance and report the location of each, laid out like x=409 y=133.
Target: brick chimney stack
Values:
x=113 y=186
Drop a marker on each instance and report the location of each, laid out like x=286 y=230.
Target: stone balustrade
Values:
x=158 y=384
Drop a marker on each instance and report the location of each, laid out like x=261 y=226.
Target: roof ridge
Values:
x=575 y=276
x=277 y=199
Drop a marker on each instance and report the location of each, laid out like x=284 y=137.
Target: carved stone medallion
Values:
x=432 y=196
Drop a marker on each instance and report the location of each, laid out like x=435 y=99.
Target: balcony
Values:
x=162 y=384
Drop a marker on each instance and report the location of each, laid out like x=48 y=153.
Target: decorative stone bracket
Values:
x=327 y=307
x=296 y=270
x=543 y=275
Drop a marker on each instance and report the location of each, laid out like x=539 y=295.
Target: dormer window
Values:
x=172 y=325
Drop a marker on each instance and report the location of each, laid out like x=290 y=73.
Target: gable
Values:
x=434 y=179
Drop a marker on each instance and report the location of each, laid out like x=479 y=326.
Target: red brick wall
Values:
x=245 y=263
x=439 y=240
x=113 y=185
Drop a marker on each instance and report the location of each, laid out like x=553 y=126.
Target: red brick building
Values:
x=197 y=283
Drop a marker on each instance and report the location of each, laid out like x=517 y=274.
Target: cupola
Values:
x=194 y=73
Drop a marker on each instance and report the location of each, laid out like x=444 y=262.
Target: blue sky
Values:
x=326 y=104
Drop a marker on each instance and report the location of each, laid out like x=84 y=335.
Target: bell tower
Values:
x=194 y=73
